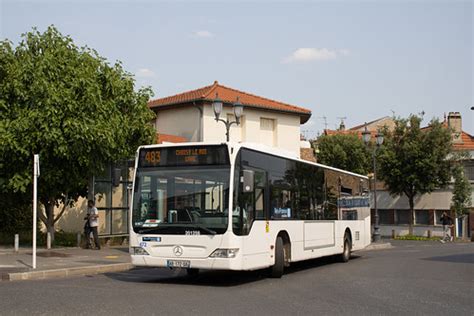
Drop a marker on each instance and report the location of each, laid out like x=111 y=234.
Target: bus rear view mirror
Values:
x=248 y=180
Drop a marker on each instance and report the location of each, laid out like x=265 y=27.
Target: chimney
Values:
x=455 y=123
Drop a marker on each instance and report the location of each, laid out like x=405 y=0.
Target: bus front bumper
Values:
x=195 y=263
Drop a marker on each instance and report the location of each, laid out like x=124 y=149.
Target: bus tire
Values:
x=278 y=267
x=346 y=252
x=192 y=272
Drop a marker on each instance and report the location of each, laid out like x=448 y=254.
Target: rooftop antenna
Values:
x=342 y=126
x=325 y=119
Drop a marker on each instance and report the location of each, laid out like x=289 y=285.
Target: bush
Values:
x=16 y=214
x=412 y=237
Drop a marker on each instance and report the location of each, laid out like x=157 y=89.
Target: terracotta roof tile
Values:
x=229 y=95
x=466 y=144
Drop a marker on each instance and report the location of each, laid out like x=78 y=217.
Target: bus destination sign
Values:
x=182 y=156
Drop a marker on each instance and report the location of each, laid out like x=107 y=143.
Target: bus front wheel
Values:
x=346 y=252
x=278 y=267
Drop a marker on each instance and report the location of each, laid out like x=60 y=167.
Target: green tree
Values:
x=70 y=106
x=346 y=152
x=414 y=161
x=461 y=200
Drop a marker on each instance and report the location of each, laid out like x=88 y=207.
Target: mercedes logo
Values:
x=178 y=251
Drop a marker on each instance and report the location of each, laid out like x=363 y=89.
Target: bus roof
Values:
x=257 y=147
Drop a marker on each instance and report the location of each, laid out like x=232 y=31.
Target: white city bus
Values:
x=283 y=209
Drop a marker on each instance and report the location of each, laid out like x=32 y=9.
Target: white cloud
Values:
x=315 y=54
x=205 y=34
x=145 y=73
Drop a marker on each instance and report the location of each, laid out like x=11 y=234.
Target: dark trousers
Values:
x=96 y=238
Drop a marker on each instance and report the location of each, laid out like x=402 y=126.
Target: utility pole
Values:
x=325 y=119
x=36 y=174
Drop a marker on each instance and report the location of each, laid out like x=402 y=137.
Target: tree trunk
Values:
x=412 y=215
x=50 y=219
x=464 y=226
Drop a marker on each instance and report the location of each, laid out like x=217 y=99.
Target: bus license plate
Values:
x=178 y=263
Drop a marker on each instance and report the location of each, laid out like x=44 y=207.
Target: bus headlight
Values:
x=224 y=253
x=139 y=251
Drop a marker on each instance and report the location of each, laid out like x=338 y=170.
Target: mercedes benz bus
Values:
x=237 y=206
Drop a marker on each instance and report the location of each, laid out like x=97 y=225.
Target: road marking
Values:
x=111 y=257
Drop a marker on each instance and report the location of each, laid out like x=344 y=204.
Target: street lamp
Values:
x=238 y=110
x=379 y=141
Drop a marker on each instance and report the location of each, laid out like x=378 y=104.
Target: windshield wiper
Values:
x=163 y=229
x=149 y=230
x=207 y=230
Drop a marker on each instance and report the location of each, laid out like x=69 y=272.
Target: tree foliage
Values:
x=346 y=152
x=413 y=160
x=461 y=200
x=70 y=106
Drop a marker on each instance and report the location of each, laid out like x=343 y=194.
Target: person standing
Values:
x=93 y=217
x=447 y=222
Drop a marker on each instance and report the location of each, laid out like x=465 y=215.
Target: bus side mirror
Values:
x=248 y=180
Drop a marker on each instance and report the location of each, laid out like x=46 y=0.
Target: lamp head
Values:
x=366 y=135
x=217 y=107
x=238 y=110
x=379 y=138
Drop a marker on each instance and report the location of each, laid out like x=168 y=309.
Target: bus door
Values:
x=255 y=212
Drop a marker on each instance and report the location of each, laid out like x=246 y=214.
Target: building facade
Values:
x=394 y=212
x=264 y=121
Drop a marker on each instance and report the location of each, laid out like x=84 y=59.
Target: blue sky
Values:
x=356 y=59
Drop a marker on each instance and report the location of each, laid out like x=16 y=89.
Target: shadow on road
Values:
x=214 y=278
x=459 y=258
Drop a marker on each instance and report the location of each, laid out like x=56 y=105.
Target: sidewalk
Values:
x=61 y=262
x=66 y=262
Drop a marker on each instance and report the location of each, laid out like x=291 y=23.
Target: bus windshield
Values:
x=189 y=200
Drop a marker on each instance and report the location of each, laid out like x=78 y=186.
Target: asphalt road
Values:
x=411 y=278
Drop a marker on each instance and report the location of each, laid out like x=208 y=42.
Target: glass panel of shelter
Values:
x=111 y=200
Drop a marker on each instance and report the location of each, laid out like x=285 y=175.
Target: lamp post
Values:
x=238 y=110
x=379 y=141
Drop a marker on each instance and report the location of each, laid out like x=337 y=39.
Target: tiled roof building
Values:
x=190 y=116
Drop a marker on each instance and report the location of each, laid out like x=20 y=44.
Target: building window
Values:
x=469 y=170
x=267 y=131
x=422 y=217
x=385 y=217
x=402 y=217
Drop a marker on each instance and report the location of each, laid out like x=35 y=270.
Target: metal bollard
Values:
x=393 y=234
x=79 y=240
x=429 y=233
x=17 y=242
x=48 y=240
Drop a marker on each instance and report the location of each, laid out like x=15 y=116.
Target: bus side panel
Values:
x=360 y=233
x=320 y=234
x=256 y=247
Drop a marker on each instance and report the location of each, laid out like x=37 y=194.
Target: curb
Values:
x=66 y=272
x=379 y=246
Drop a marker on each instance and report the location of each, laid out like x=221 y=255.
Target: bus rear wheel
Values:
x=279 y=266
x=346 y=252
